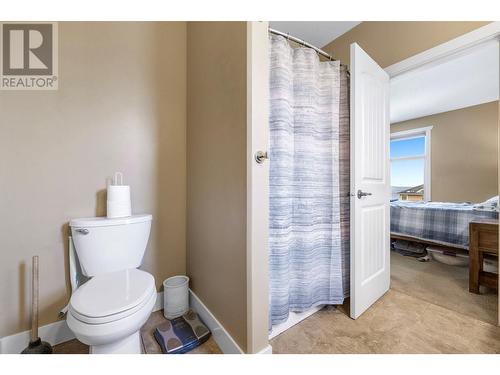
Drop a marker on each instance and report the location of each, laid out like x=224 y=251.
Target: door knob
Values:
x=260 y=157
x=362 y=194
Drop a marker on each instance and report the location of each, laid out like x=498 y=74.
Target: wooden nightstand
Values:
x=483 y=238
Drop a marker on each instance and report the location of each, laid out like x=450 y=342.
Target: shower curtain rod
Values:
x=302 y=42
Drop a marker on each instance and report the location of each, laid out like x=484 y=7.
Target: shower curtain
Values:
x=309 y=180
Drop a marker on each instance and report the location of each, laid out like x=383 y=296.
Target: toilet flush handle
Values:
x=82 y=230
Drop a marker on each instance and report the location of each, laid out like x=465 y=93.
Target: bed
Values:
x=445 y=224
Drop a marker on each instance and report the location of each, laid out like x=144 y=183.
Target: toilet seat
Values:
x=113 y=296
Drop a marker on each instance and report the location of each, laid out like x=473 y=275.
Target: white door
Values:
x=370 y=185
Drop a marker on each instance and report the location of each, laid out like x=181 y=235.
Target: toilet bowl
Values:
x=108 y=311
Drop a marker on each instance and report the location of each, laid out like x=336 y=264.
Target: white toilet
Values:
x=107 y=311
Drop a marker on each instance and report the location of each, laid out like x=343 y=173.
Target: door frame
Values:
x=445 y=50
x=257 y=189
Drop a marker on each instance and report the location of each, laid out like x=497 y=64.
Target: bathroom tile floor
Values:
x=397 y=323
x=425 y=317
x=150 y=345
x=419 y=314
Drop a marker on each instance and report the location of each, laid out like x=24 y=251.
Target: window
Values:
x=410 y=165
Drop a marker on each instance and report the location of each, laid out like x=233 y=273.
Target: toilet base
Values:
x=129 y=345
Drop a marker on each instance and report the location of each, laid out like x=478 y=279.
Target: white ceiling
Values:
x=467 y=79
x=318 y=33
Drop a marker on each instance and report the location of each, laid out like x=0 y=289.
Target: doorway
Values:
x=422 y=138
x=443 y=155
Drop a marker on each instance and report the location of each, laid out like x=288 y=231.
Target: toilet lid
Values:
x=112 y=293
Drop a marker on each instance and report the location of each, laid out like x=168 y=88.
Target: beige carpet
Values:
x=443 y=285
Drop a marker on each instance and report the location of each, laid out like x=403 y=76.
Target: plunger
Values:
x=36 y=345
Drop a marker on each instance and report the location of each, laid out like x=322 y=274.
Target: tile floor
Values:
x=150 y=344
x=427 y=310
x=397 y=323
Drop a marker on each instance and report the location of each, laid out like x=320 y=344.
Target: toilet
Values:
x=108 y=311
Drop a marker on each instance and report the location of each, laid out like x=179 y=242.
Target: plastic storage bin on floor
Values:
x=175 y=296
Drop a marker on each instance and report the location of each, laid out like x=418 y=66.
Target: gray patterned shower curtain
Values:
x=309 y=180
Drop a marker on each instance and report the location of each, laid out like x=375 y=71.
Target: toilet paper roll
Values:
x=118 y=193
x=118 y=204
x=118 y=209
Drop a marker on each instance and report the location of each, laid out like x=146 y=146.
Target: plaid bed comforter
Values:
x=444 y=223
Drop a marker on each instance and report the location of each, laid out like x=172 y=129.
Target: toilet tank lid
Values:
x=104 y=221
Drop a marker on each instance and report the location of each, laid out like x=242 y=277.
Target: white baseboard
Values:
x=293 y=318
x=221 y=336
x=59 y=332
x=226 y=343
x=159 y=302
x=53 y=333
x=267 y=350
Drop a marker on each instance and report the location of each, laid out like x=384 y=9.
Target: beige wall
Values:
x=121 y=105
x=464 y=152
x=217 y=138
x=390 y=42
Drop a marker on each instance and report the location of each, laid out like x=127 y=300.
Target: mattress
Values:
x=440 y=222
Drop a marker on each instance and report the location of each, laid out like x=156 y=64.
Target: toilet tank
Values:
x=106 y=245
